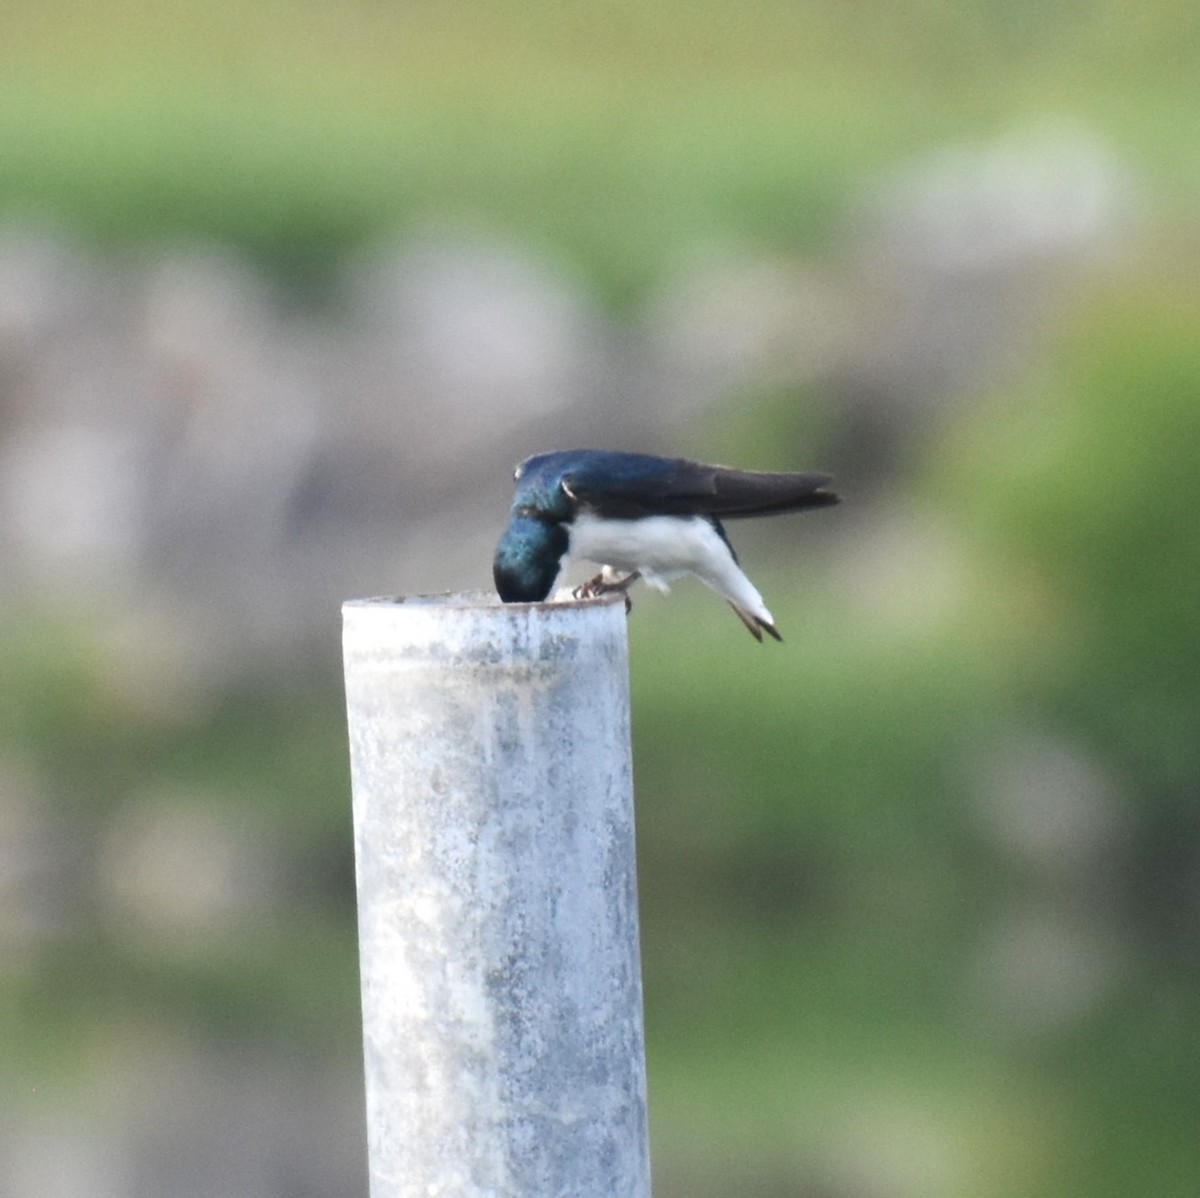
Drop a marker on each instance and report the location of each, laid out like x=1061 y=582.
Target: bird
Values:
x=640 y=516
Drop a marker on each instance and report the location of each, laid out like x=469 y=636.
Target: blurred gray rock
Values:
x=221 y=468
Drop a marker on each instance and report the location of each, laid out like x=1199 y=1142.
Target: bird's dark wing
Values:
x=640 y=485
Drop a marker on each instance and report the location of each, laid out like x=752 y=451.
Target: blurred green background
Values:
x=920 y=887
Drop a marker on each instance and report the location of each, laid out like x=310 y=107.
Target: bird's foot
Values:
x=595 y=587
x=589 y=589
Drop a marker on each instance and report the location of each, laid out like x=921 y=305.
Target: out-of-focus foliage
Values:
x=1083 y=480
x=971 y=845
x=920 y=887
x=618 y=134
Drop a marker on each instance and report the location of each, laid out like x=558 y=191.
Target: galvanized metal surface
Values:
x=493 y=810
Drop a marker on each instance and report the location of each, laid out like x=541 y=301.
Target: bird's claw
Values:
x=590 y=589
x=595 y=587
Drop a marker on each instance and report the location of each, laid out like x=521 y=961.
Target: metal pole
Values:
x=497 y=906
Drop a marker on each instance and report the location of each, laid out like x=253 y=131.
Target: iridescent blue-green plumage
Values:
x=654 y=517
x=529 y=558
x=627 y=485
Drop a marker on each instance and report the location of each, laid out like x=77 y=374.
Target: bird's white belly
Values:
x=661 y=547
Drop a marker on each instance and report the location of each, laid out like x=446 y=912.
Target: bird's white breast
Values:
x=663 y=548
x=666 y=546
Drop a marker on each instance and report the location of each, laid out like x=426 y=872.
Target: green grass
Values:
x=815 y=891
x=619 y=136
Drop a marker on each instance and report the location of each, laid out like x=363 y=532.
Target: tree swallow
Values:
x=642 y=516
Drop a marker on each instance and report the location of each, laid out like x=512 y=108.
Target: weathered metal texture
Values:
x=493 y=812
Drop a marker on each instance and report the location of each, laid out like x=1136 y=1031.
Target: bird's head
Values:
x=528 y=558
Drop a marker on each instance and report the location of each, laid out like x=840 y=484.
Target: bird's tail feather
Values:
x=755 y=624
